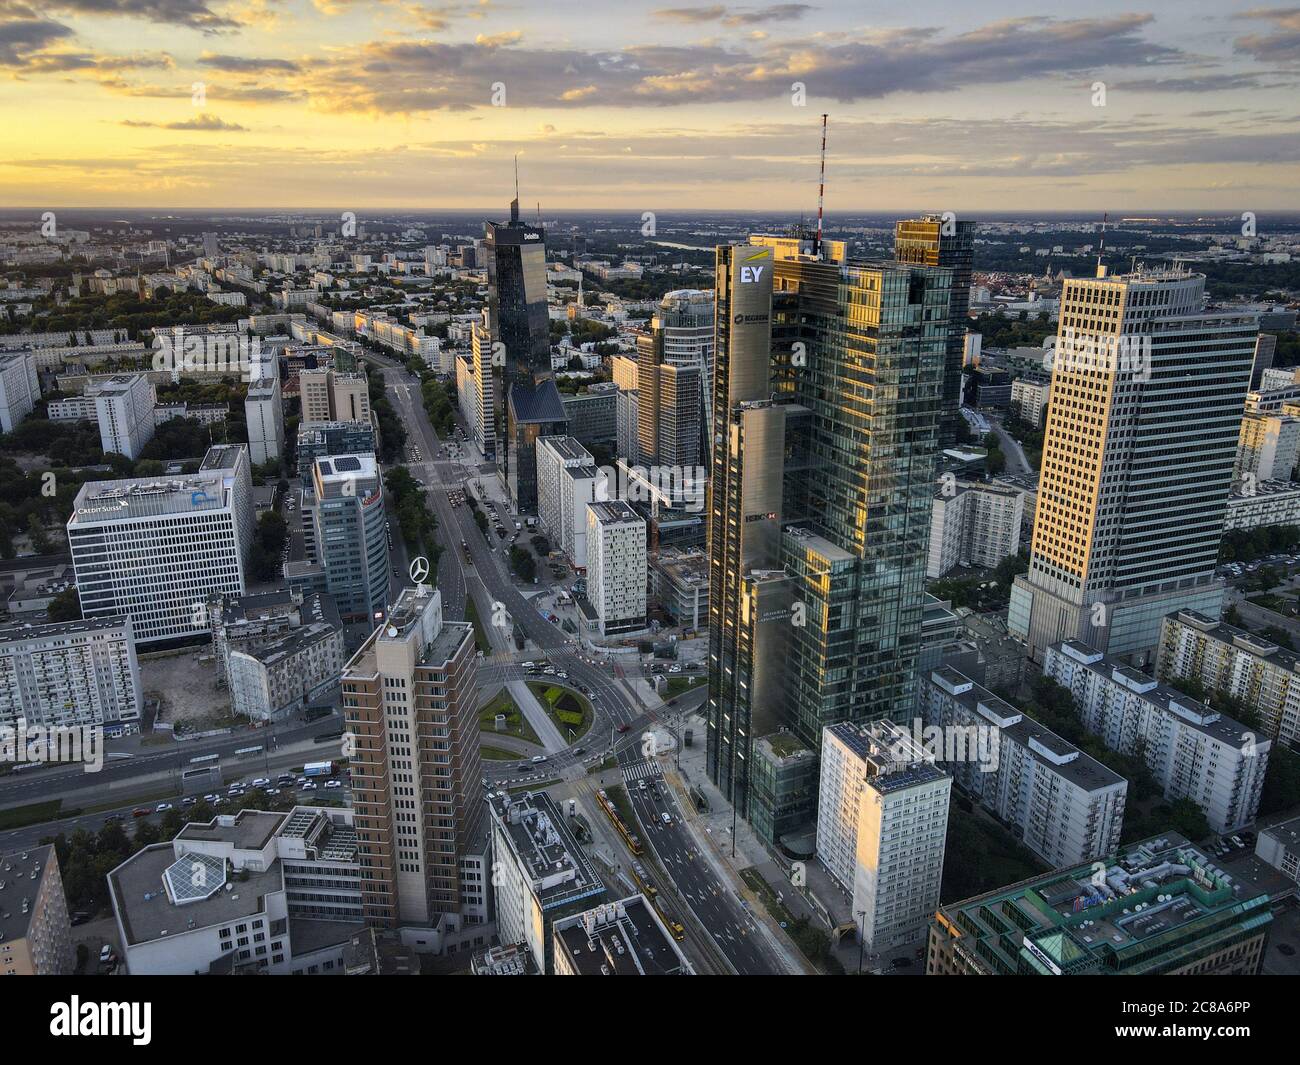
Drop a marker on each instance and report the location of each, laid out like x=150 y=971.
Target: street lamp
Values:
x=862 y=937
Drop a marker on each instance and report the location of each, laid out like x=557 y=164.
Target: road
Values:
x=1017 y=463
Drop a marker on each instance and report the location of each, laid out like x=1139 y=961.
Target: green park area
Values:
x=570 y=711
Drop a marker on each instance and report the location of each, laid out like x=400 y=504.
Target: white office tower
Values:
x=157 y=547
x=567 y=480
x=1267 y=449
x=1192 y=750
x=481 y=416
x=616 y=569
x=124 y=409
x=69 y=673
x=19 y=388
x=1064 y=806
x=1147 y=398
x=349 y=528
x=882 y=822
x=265 y=414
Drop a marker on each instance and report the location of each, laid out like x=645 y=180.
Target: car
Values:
x=112 y=818
x=622 y=728
x=334 y=783
x=538 y=758
x=141 y=811
x=524 y=767
x=528 y=665
x=1283 y=948
x=273 y=791
x=219 y=801
x=261 y=782
x=309 y=786
x=191 y=801
x=641 y=785
x=105 y=954
x=162 y=807
x=211 y=796
x=80 y=917
x=580 y=750
x=666 y=818
x=549 y=671
x=561 y=675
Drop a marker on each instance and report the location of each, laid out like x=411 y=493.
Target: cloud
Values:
x=739 y=16
x=235 y=64
x=22 y=38
x=204 y=123
x=1282 y=44
x=196 y=14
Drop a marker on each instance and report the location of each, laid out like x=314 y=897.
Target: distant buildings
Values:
x=620 y=938
x=1030 y=395
x=1158 y=908
x=973 y=523
x=1193 y=751
x=593 y=413
x=124 y=409
x=616 y=569
x=540 y=874
x=408 y=699
x=69 y=674
x=1063 y=805
x=35 y=933
x=1263 y=503
x=679 y=583
x=19 y=388
x=156 y=547
x=1279 y=846
x=1242 y=665
x=882 y=822
x=1123 y=534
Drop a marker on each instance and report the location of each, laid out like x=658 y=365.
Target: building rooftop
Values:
x=18 y=631
x=623 y=938
x=1158 y=898
x=615 y=512
x=21 y=874
x=545 y=848
x=246 y=830
x=567 y=447
x=892 y=759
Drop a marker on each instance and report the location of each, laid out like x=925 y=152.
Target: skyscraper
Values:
x=350 y=536
x=936 y=240
x=408 y=697
x=820 y=494
x=1147 y=398
x=669 y=405
x=527 y=405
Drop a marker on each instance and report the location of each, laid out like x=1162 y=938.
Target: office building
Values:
x=1267 y=447
x=567 y=480
x=1263 y=503
x=251 y=892
x=1265 y=349
x=351 y=539
x=679 y=585
x=69 y=673
x=273 y=680
x=592 y=414
x=540 y=874
x=265 y=413
x=623 y=370
x=1223 y=660
x=882 y=823
x=628 y=425
x=330 y=396
x=820 y=500
x=973 y=523
x=1158 y=908
x=669 y=404
x=35 y=933
x=479 y=400
x=1133 y=490
x=408 y=699
x=156 y=548
x=526 y=406
x=945 y=241
x=615 y=604
x=1063 y=805
x=20 y=388
x=681 y=331
x=332 y=438
x=1279 y=846
x=625 y=937
x=1192 y=751
x=124 y=410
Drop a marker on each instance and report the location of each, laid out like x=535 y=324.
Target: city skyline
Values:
x=195 y=104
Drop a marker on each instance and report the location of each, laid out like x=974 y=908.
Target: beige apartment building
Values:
x=35 y=934
x=331 y=396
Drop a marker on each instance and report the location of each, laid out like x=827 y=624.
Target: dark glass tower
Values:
x=526 y=405
x=934 y=240
x=827 y=408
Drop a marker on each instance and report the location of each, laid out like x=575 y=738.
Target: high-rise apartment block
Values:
x=567 y=480
x=70 y=673
x=973 y=524
x=408 y=698
x=124 y=408
x=1224 y=660
x=20 y=388
x=156 y=548
x=1193 y=751
x=616 y=569
x=330 y=396
x=1157 y=908
x=1147 y=394
x=882 y=824
x=1267 y=448
x=35 y=932
x=1066 y=806
x=265 y=413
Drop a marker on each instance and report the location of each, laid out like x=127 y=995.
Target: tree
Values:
x=37 y=534
x=66 y=606
x=522 y=563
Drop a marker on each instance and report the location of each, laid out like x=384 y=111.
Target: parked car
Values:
x=538 y=758
x=309 y=786
x=105 y=954
x=333 y=783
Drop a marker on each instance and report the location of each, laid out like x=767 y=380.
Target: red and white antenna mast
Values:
x=821 y=193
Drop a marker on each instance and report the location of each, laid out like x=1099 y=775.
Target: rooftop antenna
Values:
x=1101 y=247
x=821 y=193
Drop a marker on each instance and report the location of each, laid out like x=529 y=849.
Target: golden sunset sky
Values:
x=337 y=104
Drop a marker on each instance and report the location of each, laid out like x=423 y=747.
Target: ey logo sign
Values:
x=750 y=274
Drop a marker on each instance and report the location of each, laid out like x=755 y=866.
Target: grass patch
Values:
x=480 y=636
x=569 y=709
x=496 y=754
x=34 y=814
x=677 y=685
x=516 y=724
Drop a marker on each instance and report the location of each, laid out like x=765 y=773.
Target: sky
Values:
x=390 y=104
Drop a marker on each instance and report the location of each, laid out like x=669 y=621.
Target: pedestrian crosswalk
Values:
x=640 y=771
